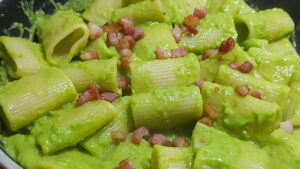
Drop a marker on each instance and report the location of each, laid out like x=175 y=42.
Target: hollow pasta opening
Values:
x=63 y=48
x=10 y=64
x=243 y=31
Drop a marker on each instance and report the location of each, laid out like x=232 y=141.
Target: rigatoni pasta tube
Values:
x=167 y=108
x=269 y=91
x=102 y=72
x=155 y=12
x=210 y=35
x=172 y=157
x=100 y=11
x=271 y=24
x=27 y=99
x=63 y=35
x=159 y=74
x=72 y=125
x=156 y=35
x=102 y=140
x=21 y=56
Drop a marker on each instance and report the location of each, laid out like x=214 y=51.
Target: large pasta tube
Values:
x=100 y=11
x=167 y=108
x=216 y=149
x=102 y=72
x=245 y=117
x=71 y=125
x=155 y=12
x=158 y=74
x=27 y=99
x=172 y=157
x=213 y=29
x=63 y=35
x=156 y=35
x=21 y=57
x=102 y=140
x=271 y=24
x=270 y=91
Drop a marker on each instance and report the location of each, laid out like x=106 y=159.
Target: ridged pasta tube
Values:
x=172 y=157
x=102 y=140
x=273 y=67
x=269 y=91
x=102 y=72
x=213 y=29
x=156 y=35
x=29 y=98
x=63 y=35
x=159 y=74
x=155 y=12
x=283 y=47
x=245 y=117
x=167 y=108
x=21 y=57
x=235 y=7
x=271 y=24
x=100 y=11
x=216 y=149
x=73 y=124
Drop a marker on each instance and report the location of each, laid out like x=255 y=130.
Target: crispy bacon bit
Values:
x=138 y=34
x=123 y=44
x=112 y=39
x=227 y=45
x=206 y=121
x=109 y=96
x=287 y=126
x=242 y=90
x=256 y=94
x=192 y=31
x=159 y=139
x=125 y=63
x=177 y=33
x=200 y=13
x=183 y=28
x=95 y=31
x=91 y=94
x=124 y=82
x=127 y=24
x=125 y=164
x=200 y=83
x=217 y=89
x=131 y=40
x=180 y=142
x=125 y=53
x=234 y=65
x=212 y=113
x=140 y=134
x=161 y=53
x=120 y=35
x=179 y=52
x=118 y=136
x=208 y=53
x=191 y=21
x=112 y=28
x=246 y=67
x=90 y=55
